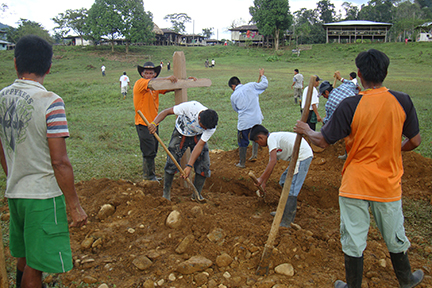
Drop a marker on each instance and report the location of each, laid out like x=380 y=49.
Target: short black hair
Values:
x=373 y=65
x=353 y=75
x=257 y=130
x=296 y=70
x=33 y=55
x=234 y=81
x=124 y=73
x=209 y=118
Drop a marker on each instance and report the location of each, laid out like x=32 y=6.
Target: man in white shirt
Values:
x=194 y=126
x=314 y=116
x=124 y=82
x=280 y=145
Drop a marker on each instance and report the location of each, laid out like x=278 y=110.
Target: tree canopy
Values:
x=272 y=17
x=178 y=21
x=74 y=20
x=207 y=32
x=27 y=27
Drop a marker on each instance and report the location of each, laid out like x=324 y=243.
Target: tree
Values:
x=178 y=21
x=271 y=17
x=138 y=23
x=377 y=10
x=326 y=10
x=74 y=20
x=207 y=32
x=26 y=27
x=120 y=18
x=351 y=11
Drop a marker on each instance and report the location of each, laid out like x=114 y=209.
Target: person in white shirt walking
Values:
x=124 y=83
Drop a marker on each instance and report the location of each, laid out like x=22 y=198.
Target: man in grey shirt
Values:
x=297 y=85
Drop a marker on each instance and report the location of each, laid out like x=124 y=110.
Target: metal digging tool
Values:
x=261 y=192
x=263 y=266
x=195 y=191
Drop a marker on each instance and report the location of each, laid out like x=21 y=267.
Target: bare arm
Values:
x=315 y=109
x=262 y=180
x=63 y=173
x=261 y=73
x=411 y=144
x=315 y=137
x=159 y=118
x=3 y=159
x=194 y=156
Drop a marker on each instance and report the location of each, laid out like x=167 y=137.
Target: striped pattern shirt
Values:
x=56 y=120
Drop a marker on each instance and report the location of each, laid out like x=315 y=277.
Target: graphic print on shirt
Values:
x=189 y=126
x=17 y=114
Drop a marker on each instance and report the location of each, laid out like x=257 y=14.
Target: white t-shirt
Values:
x=355 y=81
x=124 y=80
x=314 y=99
x=284 y=143
x=187 y=121
x=103 y=68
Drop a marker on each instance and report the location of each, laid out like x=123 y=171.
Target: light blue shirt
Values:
x=245 y=101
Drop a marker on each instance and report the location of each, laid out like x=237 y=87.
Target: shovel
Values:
x=195 y=191
x=263 y=267
x=261 y=192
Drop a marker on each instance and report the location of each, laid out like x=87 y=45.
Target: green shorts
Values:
x=39 y=232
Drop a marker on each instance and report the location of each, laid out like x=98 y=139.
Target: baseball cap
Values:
x=325 y=85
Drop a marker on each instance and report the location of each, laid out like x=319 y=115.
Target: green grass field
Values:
x=104 y=142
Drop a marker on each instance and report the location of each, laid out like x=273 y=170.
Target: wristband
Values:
x=154 y=123
x=188 y=165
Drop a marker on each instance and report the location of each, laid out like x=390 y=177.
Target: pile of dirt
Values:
x=220 y=243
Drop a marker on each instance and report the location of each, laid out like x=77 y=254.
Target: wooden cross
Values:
x=180 y=87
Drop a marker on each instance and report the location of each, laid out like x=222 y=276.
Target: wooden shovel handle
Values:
x=171 y=156
x=263 y=267
x=255 y=180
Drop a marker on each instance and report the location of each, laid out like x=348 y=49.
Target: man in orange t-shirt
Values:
x=147 y=101
x=378 y=124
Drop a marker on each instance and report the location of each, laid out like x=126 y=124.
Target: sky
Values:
x=218 y=14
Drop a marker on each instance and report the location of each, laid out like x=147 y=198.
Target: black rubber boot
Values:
x=168 y=179
x=149 y=169
x=242 y=154
x=199 y=184
x=353 y=272
x=254 y=156
x=402 y=268
x=289 y=212
x=18 y=278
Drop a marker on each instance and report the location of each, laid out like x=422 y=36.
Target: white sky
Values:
x=218 y=14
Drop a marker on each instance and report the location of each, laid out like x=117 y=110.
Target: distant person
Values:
x=168 y=66
x=280 y=146
x=194 y=126
x=161 y=64
x=39 y=175
x=297 y=85
x=353 y=78
x=212 y=63
x=147 y=101
x=313 y=116
x=206 y=63
x=103 y=68
x=377 y=125
x=245 y=101
x=124 y=83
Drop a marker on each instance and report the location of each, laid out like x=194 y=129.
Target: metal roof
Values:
x=424 y=25
x=244 y=28
x=357 y=23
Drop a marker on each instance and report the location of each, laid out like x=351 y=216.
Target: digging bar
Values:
x=195 y=191
x=263 y=266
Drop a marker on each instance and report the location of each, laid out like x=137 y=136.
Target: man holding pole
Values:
x=373 y=124
x=194 y=126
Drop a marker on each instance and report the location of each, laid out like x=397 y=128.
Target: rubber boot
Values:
x=353 y=272
x=254 y=156
x=295 y=99
x=289 y=212
x=149 y=169
x=199 y=184
x=242 y=154
x=402 y=268
x=168 y=179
